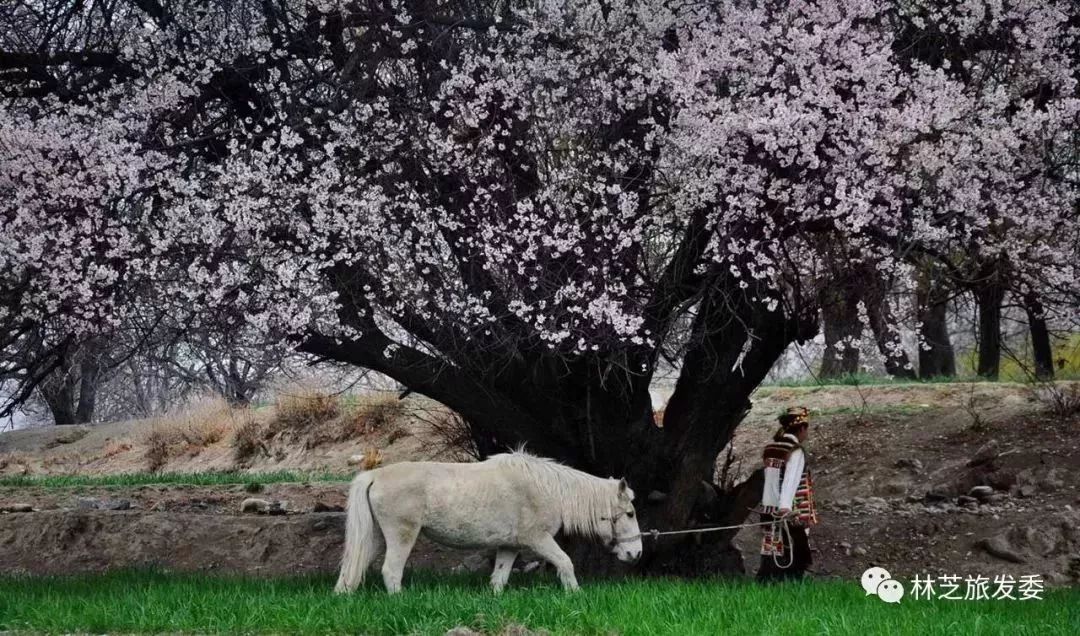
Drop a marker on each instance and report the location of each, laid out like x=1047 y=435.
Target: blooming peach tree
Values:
x=520 y=209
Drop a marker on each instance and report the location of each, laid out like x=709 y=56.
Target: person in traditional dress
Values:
x=788 y=497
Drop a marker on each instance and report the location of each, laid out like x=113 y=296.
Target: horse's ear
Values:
x=623 y=486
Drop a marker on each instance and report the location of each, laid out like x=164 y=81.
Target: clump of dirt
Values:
x=70 y=437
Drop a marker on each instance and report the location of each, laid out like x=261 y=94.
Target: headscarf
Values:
x=792 y=420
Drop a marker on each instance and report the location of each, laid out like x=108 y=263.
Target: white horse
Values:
x=509 y=502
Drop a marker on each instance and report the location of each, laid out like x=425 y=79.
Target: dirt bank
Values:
x=927 y=479
x=63 y=541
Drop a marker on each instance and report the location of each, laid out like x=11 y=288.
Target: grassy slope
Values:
x=154 y=602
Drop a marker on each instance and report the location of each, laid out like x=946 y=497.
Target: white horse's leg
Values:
x=400 y=538
x=553 y=554
x=504 y=561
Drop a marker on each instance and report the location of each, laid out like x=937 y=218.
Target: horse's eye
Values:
x=630 y=514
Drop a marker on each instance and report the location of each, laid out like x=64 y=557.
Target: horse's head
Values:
x=625 y=539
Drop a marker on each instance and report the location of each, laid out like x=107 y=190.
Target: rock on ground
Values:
x=16 y=507
x=93 y=503
x=263 y=507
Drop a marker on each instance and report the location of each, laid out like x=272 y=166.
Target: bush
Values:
x=375 y=414
x=303 y=411
x=13 y=460
x=367 y=415
x=1061 y=399
x=201 y=423
x=247 y=441
x=373 y=458
x=200 y=433
x=452 y=436
x=158 y=449
x=115 y=448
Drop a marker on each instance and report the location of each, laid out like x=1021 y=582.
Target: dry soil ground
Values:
x=896 y=467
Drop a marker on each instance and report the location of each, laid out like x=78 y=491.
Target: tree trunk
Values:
x=1040 y=337
x=840 y=318
x=89 y=375
x=58 y=389
x=594 y=411
x=988 y=297
x=60 y=398
x=883 y=325
x=734 y=344
x=234 y=388
x=70 y=391
x=731 y=356
x=936 y=355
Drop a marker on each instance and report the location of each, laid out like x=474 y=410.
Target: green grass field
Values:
x=128 y=480
x=431 y=604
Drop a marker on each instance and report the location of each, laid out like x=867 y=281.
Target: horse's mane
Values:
x=585 y=500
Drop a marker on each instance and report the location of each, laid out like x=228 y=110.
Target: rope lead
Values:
x=654 y=533
x=782 y=523
x=786 y=531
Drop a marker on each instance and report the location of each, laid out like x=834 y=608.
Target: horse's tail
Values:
x=363 y=539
